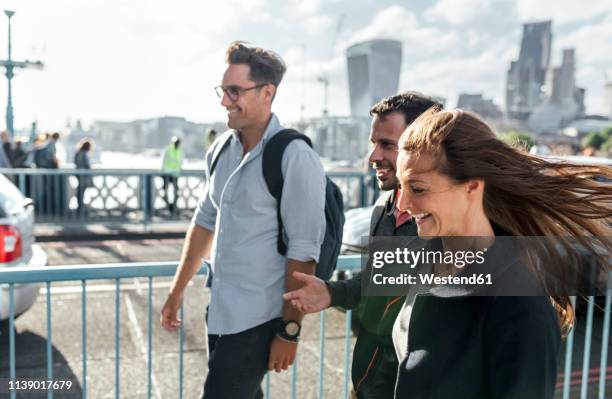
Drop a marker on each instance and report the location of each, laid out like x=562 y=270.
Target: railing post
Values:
x=84 y=334
x=49 y=341
x=12 y=358
x=569 y=348
x=321 y=353
x=347 y=346
x=147 y=199
x=117 y=338
x=294 y=374
x=362 y=191
x=149 y=337
x=22 y=183
x=181 y=345
x=605 y=342
x=586 y=358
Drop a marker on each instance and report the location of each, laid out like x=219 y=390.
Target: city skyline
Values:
x=134 y=61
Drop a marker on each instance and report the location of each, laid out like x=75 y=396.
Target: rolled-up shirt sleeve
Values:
x=206 y=212
x=303 y=202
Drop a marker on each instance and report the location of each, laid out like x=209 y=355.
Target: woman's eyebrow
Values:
x=406 y=178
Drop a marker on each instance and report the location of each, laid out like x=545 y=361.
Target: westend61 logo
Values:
x=400 y=258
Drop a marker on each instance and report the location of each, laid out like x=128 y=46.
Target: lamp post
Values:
x=9 y=65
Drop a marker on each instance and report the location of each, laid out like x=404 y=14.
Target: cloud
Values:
x=389 y=23
x=459 y=12
x=593 y=49
x=561 y=11
x=443 y=56
x=144 y=58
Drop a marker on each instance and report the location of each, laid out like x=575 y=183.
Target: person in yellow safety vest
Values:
x=172 y=164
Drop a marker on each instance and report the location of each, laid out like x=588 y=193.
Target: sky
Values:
x=132 y=59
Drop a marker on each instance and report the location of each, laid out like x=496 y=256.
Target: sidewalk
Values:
x=116 y=231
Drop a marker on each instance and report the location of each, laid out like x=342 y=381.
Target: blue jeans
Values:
x=238 y=362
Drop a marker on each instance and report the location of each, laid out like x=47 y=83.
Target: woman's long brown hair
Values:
x=524 y=194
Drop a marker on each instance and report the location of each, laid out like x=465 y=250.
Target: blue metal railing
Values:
x=117 y=272
x=118 y=196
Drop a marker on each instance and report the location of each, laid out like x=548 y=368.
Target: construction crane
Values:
x=9 y=65
x=323 y=78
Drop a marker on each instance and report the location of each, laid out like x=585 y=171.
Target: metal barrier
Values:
x=116 y=272
x=119 y=196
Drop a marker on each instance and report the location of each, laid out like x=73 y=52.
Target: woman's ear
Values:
x=474 y=185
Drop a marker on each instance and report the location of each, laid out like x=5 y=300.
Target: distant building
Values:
x=373 y=73
x=486 y=108
x=563 y=101
x=155 y=133
x=337 y=138
x=527 y=75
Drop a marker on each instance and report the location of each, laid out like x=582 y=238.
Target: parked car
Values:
x=17 y=247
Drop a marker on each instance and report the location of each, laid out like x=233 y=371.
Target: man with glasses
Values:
x=250 y=329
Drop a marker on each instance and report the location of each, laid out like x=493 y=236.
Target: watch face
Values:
x=292 y=328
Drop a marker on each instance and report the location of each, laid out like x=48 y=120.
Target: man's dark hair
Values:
x=266 y=66
x=55 y=136
x=409 y=103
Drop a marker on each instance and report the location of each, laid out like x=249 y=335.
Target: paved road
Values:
x=67 y=337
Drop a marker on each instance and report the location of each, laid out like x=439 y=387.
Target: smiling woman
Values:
x=458 y=179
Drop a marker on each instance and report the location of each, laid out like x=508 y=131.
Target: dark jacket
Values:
x=465 y=345
x=375 y=363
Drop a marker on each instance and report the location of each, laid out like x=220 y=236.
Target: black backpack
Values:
x=334 y=205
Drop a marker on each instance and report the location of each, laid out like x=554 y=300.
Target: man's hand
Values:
x=169 y=319
x=312 y=297
x=282 y=354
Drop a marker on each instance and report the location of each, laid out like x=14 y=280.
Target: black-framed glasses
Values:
x=233 y=92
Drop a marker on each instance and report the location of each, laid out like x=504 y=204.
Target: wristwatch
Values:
x=289 y=330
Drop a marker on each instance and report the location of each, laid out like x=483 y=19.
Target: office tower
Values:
x=527 y=75
x=373 y=73
x=476 y=103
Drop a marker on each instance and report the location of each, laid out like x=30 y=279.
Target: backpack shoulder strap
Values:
x=219 y=148
x=273 y=175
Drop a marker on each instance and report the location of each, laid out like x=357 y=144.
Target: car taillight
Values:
x=10 y=244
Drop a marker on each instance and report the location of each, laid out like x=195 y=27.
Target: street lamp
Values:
x=9 y=65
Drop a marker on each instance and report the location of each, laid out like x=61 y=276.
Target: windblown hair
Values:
x=266 y=66
x=524 y=194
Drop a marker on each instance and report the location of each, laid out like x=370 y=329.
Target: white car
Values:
x=17 y=247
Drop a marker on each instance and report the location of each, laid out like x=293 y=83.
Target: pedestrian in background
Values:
x=172 y=164
x=5 y=154
x=81 y=162
x=19 y=155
